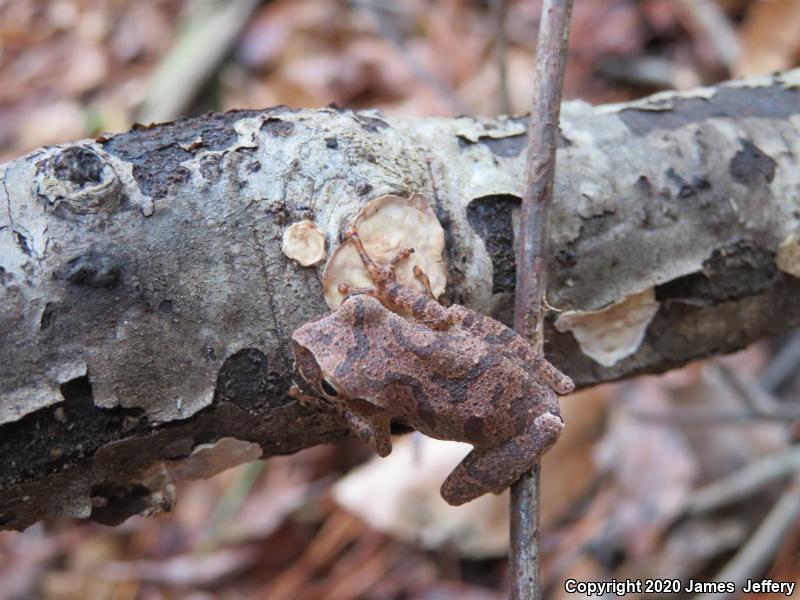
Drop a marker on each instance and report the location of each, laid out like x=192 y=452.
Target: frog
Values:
x=393 y=355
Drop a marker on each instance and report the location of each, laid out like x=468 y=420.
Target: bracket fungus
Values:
x=385 y=225
x=787 y=258
x=304 y=242
x=612 y=333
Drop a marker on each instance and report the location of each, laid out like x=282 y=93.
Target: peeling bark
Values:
x=147 y=306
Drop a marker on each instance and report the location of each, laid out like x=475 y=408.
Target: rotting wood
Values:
x=147 y=306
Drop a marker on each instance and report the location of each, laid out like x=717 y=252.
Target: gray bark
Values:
x=147 y=307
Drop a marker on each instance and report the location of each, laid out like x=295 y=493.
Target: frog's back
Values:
x=458 y=385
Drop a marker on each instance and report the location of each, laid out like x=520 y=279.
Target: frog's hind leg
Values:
x=422 y=276
x=494 y=469
x=352 y=235
x=381 y=274
x=347 y=290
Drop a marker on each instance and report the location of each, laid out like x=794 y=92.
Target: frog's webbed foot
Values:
x=373 y=431
x=559 y=382
x=494 y=469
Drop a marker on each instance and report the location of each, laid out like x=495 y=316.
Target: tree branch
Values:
x=147 y=306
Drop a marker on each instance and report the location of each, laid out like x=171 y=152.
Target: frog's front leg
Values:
x=494 y=469
x=373 y=427
x=374 y=430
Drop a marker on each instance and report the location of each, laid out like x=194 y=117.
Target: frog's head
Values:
x=329 y=351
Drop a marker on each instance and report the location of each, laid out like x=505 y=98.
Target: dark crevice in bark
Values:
x=732 y=272
x=277 y=127
x=766 y=103
x=490 y=217
x=79 y=166
x=58 y=437
x=509 y=146
x=751 y=167
x=115 y=503
x=506 y=147
x=685 y=330
x=157 y=151
x=247 y=380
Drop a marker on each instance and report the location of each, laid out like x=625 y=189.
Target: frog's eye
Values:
x=328 y=389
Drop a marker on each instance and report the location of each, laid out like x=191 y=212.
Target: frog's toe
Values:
x=378 y=439
x=459 y=489
x=482 y=471
x=382 y=446
x=374 y=432
x=559 y=382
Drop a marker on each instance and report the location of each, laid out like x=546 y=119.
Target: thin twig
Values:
x=782 y=366
x=537 y=198
x=551 y=57
x=744 y=482
x=762 y=546
x=205 y=40
x=758 y=400
x=708 y=20
x=500 y=48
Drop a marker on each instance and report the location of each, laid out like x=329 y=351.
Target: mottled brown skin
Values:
x=394 y=354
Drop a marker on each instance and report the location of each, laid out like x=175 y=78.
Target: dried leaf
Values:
x=652 y=467
x=399 y=494
x=769 y=37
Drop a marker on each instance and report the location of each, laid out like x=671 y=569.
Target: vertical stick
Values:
x=500 y=46
x=551 y=54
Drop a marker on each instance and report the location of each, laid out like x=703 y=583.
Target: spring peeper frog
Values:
x=392 y=354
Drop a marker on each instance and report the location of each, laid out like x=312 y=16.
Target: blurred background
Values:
x=689 y=475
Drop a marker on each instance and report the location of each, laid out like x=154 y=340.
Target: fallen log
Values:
x=148 y=307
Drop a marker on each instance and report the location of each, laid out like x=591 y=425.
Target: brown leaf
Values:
x=568 y=470
x=652 y=467
x=86 y=69
x=770 y=40
x=51 y=124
